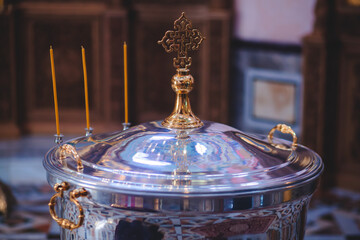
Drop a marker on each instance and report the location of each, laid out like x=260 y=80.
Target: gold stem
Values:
x=182 y=116
x=182 y=104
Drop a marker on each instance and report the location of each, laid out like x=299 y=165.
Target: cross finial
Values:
x=183 y=39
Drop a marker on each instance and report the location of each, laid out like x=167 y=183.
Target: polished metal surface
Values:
x=182 y=39
x=182 y=173
x=182 y=116
x=74 y=194
x=200 y=203
x=214 y=161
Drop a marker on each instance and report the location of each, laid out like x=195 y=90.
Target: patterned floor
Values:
x=336 y=216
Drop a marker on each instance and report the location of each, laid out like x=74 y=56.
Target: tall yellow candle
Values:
x=54 y=90
x=85 y=89
x=126 y=84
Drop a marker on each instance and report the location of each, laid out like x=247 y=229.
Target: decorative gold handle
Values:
x=74 y=194
x=68 y=149
x=284 y=129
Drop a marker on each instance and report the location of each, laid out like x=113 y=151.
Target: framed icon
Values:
x=271 y=97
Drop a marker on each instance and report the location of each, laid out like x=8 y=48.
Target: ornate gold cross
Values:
x=183 y=39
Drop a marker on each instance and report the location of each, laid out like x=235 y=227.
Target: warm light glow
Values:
x=85 y=88
x=54 y=90
x=126 y=85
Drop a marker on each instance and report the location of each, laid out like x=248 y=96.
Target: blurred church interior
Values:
x=262 y=63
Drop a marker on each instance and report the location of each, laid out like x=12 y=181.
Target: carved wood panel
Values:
x=115 y=33
x=68 y=26
x=331 y=84
x=8 y=101
x=6 y=73
x=314 y=55
x=102 y=27
x=348 y=159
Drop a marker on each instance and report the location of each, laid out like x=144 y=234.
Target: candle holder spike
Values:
x=58 y=138
x=126 y=126
x=88 y=131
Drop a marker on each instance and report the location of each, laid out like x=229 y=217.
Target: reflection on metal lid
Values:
x=213 y=159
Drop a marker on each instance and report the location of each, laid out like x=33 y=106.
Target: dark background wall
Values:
x=30 y=27
x=316 y=41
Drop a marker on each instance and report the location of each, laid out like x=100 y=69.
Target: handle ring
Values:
x=69 y=149
x=74 y=194
x=284 y=129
